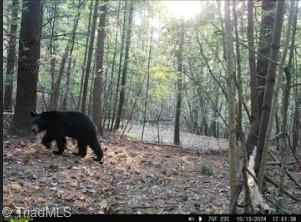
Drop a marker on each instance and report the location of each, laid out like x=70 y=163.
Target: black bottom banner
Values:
x=154 y=218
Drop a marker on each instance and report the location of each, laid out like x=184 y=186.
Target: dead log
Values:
x=257 y=201
x=268 y=179
x=278 y=163
x=292 y=178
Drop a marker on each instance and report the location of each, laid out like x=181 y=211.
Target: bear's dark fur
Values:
x=59 y=125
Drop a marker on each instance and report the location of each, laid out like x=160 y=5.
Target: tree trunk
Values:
x=91 y=89
x=283 y=138
x=231 y=104
x=147 y=83
x=285 y=104
x=120 y=65
x=133 y=107
x=52 y=48
x=296 y=123
x=85 y=58
x=125 y=66
x=270 y=82
x=56 y=93
x=105 y=83
x=28 y=68
x=238 y=76
x=11 y=59
x=90 y=51
x=252 y=62
x=64 y=103
x=277 y=125
x=97 y=90
x=257 y=86
x=296 y=116
x=110 y=86
x=274 y=94
x=179 y=55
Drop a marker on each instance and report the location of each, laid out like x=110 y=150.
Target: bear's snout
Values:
x=35 y=129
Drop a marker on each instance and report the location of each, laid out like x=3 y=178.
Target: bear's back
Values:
x=73 y=124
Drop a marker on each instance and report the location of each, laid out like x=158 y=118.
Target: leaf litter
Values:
x=135 y=178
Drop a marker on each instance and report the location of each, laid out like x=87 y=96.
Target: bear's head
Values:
x=40 y=122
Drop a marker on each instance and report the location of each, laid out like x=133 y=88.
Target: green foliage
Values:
x=206 y=169
x=202 y=96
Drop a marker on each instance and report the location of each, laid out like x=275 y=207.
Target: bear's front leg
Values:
x=47 y=139
x=61 y=144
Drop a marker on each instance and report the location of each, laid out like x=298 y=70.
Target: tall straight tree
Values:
x=179 y=56
x=52 y=46
x=110 y=86
x=147 y=82
x=297 y=111
x=97 y=90
x=28 y=68
x=64 y=102
x=11 y=58
x=68 y=51
x=89 y=59
x=273 y=107
x=252 y=62
x=264 y=47
x=231 y=104
x=125 y=67
x=120 y=65
x=85 y=58
x=270 y=82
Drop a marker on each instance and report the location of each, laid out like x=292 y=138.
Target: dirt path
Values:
x=166 y=134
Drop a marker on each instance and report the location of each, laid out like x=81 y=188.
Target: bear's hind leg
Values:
x=97 y=150
x=47 y=139
x=61 y=144
x=82 y=149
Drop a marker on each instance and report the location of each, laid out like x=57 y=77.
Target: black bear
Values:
x=59 y=125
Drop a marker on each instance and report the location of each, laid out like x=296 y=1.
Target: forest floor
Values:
x=135 y=178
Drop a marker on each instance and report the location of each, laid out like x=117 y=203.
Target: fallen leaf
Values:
x=15 y=187
x=11 y=206
x=26 y=161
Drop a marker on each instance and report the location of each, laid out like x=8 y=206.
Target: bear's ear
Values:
x=33 y=114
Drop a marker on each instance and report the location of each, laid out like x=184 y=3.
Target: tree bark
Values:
x=270 y=82
x=231 y=104
x=64 y=103
x=89 y=59
x=120 y=65
x=275 y=99
x=258 y=203
x=11 y=59
x=28 y=68
x=252 y=63
x=238 y=75
x=296 y=124
x=147 y=83
x=179 y=56
x=52 y=47
x=125 y=66
x=283 y=138
x=257 y=86
x=85 y=59
x=110 y=86
x=97 y=90
x=297 y=111
x=68 y=51
x=91 y=89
